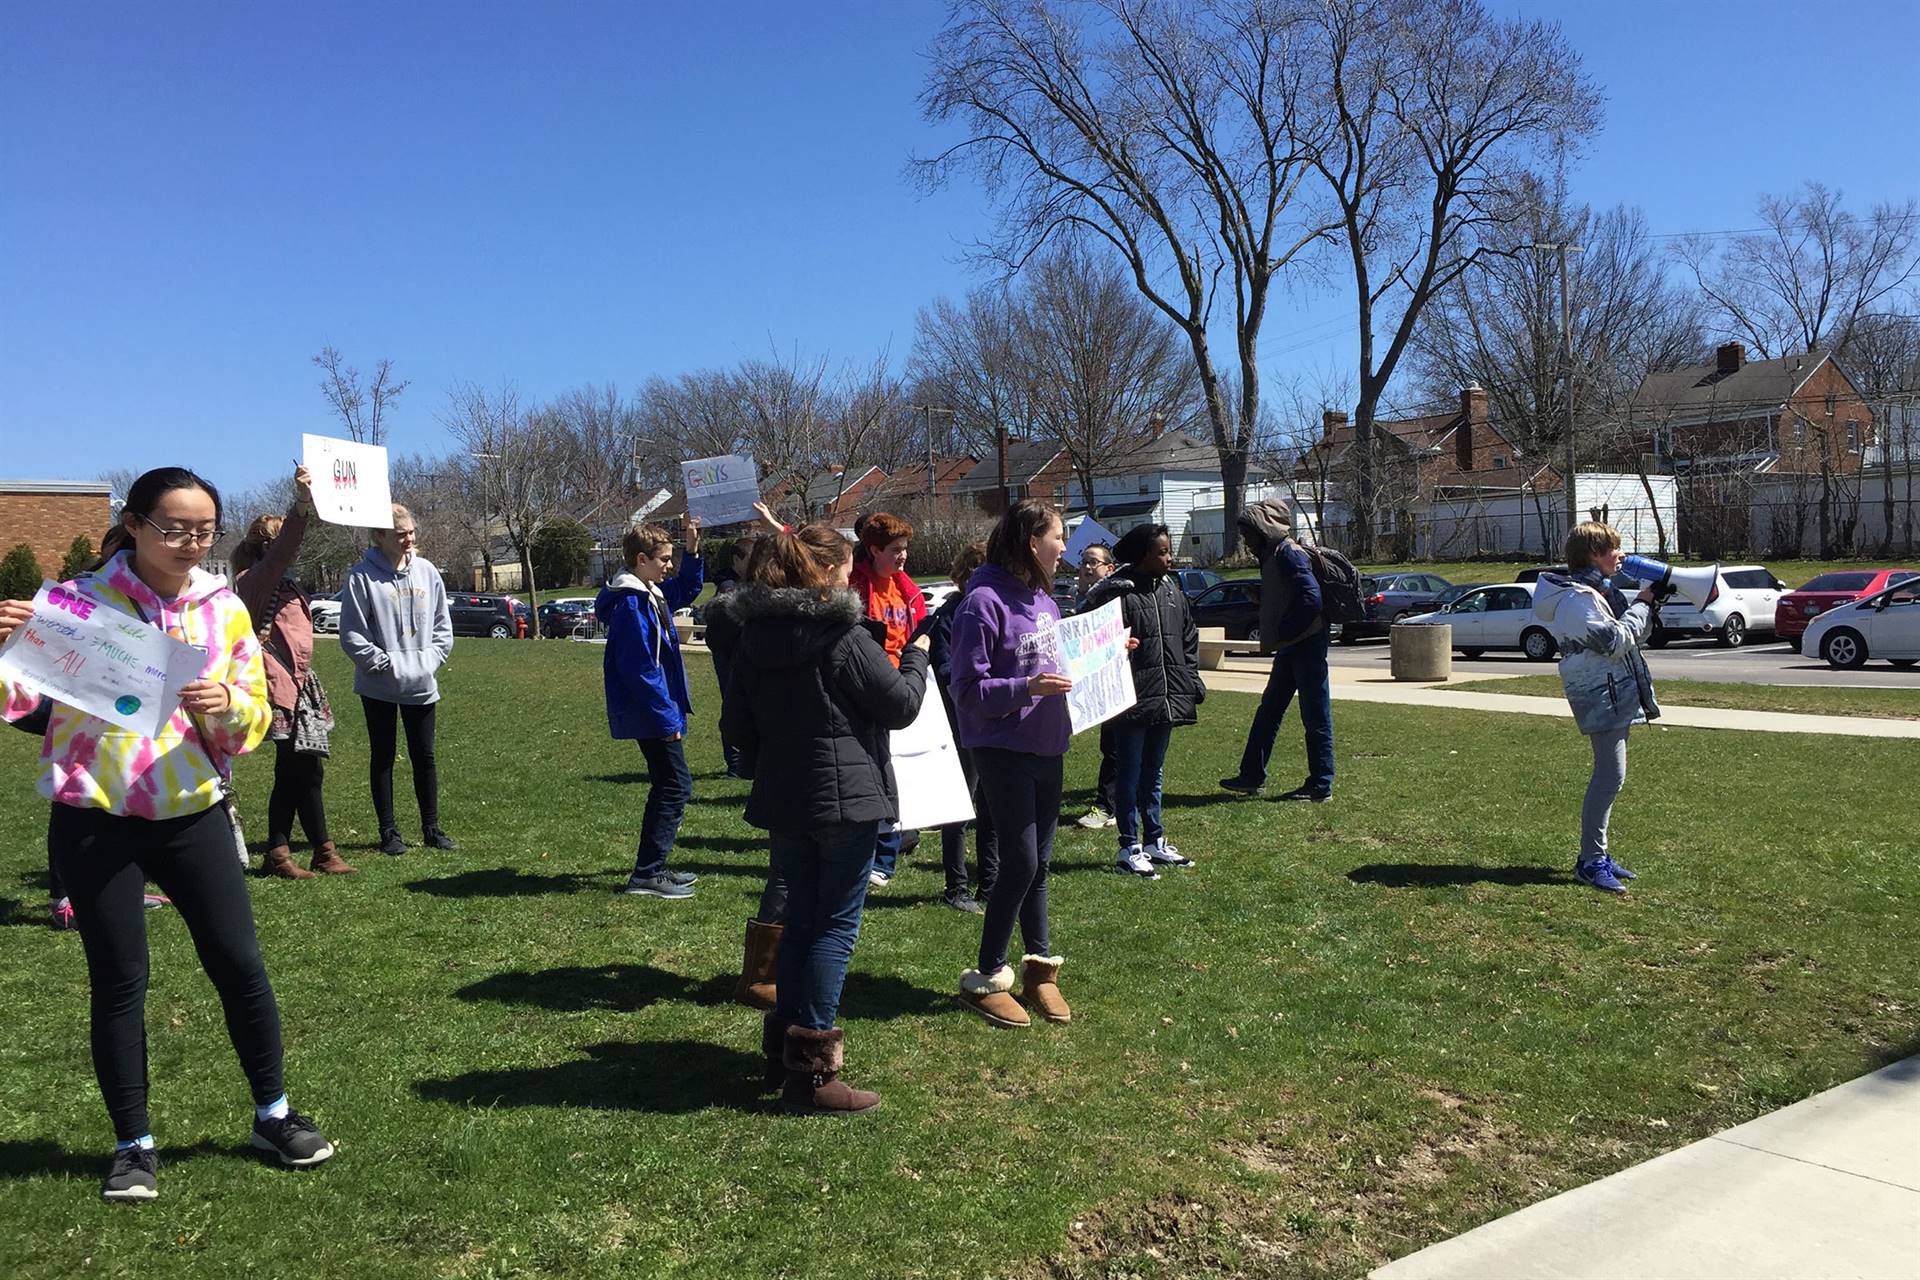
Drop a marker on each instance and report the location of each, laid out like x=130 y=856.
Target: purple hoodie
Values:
x=1002 y=635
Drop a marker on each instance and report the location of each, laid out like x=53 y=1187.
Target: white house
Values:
x=1162 y=482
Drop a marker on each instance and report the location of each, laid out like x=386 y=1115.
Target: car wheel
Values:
x=1659 y=638
x=1734 y=633
x=1253 y=634
x=499 y=631
x=1536 y=644
x=1844 y=649
x=1471 y=654
x=1903 y=663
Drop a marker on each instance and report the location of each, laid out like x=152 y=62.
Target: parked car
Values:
x=1457 y=590
x=1533 y=574
x=1390 y=597
x=502 y=617
x=1885 y=625
x=326 y=614
x=937 y=594
x=1495 y=617
x=566 y=616
x=1194 y=581
x=1234 y=605
x=1743 y=600
x=1798 y=608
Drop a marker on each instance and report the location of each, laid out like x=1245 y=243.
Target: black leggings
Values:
x=418 y=719
x=297 y=779
x=105 y=861
x=1022 y=793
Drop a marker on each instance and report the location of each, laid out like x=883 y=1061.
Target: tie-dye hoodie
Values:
x=92 y=764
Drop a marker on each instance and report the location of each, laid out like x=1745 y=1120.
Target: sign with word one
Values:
x=721 y=490
x=1093 y=653
x=350 y=484
x=926 y=769
x=99 y=660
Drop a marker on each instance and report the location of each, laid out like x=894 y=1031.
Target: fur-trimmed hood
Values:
x=790 y=626
x=752 y=600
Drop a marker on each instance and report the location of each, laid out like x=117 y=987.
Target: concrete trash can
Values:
x=1422 y=652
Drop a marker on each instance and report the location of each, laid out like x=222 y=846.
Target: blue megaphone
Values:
x=1700 y=586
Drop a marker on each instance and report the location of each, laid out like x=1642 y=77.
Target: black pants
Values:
x=105 y=861
x=953 y=839
x=418 y=719
x=1022 y=792
x=1103 y=789
x=55 y=889
x=297 y=779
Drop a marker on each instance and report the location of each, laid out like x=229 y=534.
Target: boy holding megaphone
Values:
x=1605 y=677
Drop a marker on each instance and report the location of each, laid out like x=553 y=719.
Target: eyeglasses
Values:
x=180 y=539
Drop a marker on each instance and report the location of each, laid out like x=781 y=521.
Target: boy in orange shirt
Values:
x=892 y=600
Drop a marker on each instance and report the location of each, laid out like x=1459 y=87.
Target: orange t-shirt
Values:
x=887 y=603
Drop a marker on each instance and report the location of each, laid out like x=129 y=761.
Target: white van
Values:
x=1743 y=603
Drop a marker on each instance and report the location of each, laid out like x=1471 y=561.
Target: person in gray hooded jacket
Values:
x=397 y=629
x=1605 y=677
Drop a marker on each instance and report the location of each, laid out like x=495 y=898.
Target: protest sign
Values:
x=1093 y=654
x=721 y=490
x=926 y=769
x=350 y=484
x=1088 y=534
x=99 y=660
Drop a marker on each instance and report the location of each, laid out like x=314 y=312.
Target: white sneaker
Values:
x=1134 y=861
x=878 y=879
x=1096 y=818
x=1168 y=854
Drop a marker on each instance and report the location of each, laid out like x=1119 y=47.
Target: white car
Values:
x=326 y=615
x=937 y=594
x=1499 y=616
x=1886 y=625
x=1743 y=602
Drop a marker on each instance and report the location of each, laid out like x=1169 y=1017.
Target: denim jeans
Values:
x=1596 y=807
x=1300 y=667
x=1103 y=787
x=826 y=871
x=886 y=854
x=1139 y=752
x=669 y=787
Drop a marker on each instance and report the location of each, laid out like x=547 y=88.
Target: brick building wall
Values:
x=48 y=519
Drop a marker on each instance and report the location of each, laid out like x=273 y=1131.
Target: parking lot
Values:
x=1764 y=662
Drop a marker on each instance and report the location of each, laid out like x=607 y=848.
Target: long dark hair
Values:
x=804 y=558
x=145 y=493
x=1010 y=545
x=1137 y=541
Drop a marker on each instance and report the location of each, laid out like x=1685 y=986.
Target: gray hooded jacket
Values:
x=1602 y=669
x=396 y=627
x=1290 y=605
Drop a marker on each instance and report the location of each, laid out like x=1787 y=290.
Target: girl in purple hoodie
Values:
x=1009 y=698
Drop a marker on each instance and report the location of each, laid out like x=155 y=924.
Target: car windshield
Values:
x=1839 y=582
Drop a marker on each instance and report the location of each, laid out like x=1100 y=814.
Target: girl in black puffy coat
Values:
x=1168 y=692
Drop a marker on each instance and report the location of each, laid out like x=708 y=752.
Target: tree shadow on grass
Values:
x=1415 y=875
x=499 y=882
x=668 y=1076
x=38 y=1158
x=622 y=988
x=1199 y=800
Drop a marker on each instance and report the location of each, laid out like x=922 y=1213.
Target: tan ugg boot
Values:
x=279 y=862
x=986 y=995
x=327 y=862
x=756 y=988
x=813 y=1076
x=1040 y=984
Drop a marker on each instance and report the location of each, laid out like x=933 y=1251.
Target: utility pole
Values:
x=926 y=412
x=1000 y=450
x=1566 y=371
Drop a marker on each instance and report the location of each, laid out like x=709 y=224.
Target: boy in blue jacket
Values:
x=647 y=690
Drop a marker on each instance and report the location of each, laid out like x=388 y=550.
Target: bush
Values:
x=20 y=575
x=561 y=551
x=80 y=558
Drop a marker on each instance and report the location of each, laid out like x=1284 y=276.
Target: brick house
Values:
x=48 y=515
x=909 y=484
x=1035 y=469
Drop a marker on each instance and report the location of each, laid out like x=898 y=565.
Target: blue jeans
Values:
x=886 y=854
x=669 y=787
x=1300 y=667
x=826 y=872
x=1139 y=752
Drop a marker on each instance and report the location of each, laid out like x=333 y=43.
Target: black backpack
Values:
x=1339 y=584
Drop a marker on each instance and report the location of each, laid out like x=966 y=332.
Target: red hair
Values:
x=881 y=528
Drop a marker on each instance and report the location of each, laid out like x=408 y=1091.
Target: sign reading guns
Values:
x=350 y=482
x=101 y=661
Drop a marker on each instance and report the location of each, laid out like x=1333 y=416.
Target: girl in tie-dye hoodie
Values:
x=128 y=808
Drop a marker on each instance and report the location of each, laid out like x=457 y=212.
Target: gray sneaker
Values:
x=681 y=877
x=130 y=1176
x=660 y=886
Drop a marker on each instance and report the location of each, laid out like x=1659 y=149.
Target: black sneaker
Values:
x=294 y=1139
x=130 y=1176
x=1237 y=783
x=391 y=843
x=1303 y=795
x=961 y=900
x=438 y=839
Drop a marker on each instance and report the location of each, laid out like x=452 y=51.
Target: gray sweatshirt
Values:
x=395 y=626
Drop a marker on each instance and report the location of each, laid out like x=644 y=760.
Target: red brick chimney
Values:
x=1729 y=357
x=1468 y=437
x=1329 y=420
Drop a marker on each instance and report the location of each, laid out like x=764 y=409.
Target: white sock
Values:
x=144 y=1142
x=275 y=1110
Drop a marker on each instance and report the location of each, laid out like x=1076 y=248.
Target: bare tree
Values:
x=1438 y=109
x=519 y=455
x=600 y=431
x=783 y=399
x=966 y=357
x=1805 y=280
x=702 y=414
x=361 y=408
x=1881 y=353
x=1171 y=130
x=864 y=421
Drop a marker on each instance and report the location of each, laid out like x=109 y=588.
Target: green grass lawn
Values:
x=1891 y=704
x=1352 y=1030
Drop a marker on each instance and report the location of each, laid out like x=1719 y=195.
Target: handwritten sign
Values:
x=1090 y=533
x=721 y=490
x=101 y=661
x=1093 y=652
x=350 y=482
x=926 y=769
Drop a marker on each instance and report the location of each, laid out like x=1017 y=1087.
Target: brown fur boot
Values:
x=986 y=994
x=327 y=862
x=756 y=986
x=280 y=863
x=773 y=1043
x=1040 y=983
x=813 y=1076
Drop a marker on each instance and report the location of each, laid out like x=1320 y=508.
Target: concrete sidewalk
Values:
x=1829 y=1187
x=1243 y=675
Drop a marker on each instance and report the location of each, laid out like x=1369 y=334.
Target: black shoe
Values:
x=1306 y=796
x=1245 y=788
x=961 y=900
x=391 y=843
x=438 y=839
x=130 y=1176
x=294 y=1139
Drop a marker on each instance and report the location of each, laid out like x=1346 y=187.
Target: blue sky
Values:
x=194 y=198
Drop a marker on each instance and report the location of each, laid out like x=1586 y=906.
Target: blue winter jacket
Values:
x=646 y=681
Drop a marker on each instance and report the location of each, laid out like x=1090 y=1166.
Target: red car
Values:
x=1799 y=607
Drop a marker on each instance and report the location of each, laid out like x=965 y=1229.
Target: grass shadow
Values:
x=884 y=901
x=664 y=1076
x=1415 y=875
x=500 y=882
x=15 y=911
x=38 y=1158
x=722 y=844
x=882 y=997
x=757 y=870
x=623 y=988
x=1173 y=800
